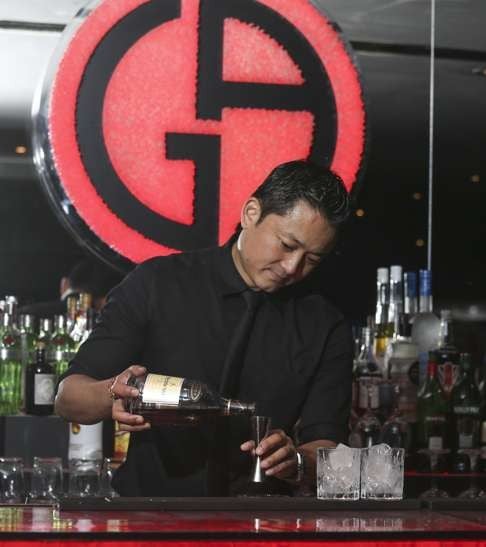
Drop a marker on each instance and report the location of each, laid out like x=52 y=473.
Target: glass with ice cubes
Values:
x=338 y=473
x=382 y=472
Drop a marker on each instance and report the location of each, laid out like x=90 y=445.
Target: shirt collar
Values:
x=231 y=280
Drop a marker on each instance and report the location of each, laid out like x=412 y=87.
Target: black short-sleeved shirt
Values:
x=176 y=315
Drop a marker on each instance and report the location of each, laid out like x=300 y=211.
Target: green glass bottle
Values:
x=431 y=410
x=10 y=368
x=61 y=347
x=465 y=406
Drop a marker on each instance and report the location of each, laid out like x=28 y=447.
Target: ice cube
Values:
x=341 y=456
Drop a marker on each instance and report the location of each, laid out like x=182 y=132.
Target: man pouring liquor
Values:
x=182 y=315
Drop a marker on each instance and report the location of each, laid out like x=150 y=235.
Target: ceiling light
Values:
x=21 y=149
x=420 y=243
x=475 y=178
x=360 y=213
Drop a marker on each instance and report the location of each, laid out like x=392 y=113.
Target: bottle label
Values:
x=465 y=441
x=366 y=387
x=448 y=375
x=483 y=434
x=435 y=443
x=86 y=442
x=435 y=432
x=161 y=389
x=44 y=385
x=466 y=410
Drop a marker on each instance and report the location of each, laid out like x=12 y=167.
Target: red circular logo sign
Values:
x=163 y=116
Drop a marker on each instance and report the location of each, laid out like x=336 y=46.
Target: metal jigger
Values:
x=260 y=426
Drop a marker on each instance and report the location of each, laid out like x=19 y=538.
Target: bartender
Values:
x=179 y=315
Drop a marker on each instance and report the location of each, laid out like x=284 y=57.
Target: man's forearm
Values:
x=83 y=400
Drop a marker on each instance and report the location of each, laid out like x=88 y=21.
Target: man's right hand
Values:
x=119 y=391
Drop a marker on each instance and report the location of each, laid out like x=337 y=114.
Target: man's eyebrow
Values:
x=296 y=240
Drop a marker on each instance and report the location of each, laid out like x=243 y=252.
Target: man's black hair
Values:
x=94 y=277
x=302 y=180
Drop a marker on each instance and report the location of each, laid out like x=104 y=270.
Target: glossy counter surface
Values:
x=293 y=521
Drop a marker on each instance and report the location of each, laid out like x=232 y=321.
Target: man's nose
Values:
x=292 y=264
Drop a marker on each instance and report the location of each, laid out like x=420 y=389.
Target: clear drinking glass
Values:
x=107 y=471
x=338 y=473
x=12 y=486
x=382 y=472
x=473 y=490
x=46 y=481
x=434 y=491
x=84 y=477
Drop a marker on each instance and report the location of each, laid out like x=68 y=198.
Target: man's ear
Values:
x=250 y=212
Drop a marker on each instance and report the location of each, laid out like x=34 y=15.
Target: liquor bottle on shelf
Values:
x=465 y=405
x=10 y=368
x=426 y=325
x=395 y=306
x=85 y=441
x=61 y=346
x=403 y=369
x=482 y=423
x=396 y=430
x=447 y=354
x=367 y=375
x=80 y=330
x=171 y=400
x=121 y=440
x=381 y=316
x=432 y=411
x=27 y=338
x=40 y=382
x=366 y=432
x=410 y=303
x=44 y=334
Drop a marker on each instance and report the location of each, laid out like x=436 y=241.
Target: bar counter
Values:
x=244 y=521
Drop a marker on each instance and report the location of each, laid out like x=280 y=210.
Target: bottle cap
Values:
x=396 y=273
x=382 y=275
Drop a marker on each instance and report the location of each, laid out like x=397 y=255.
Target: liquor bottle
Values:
x=410 y=303
x=40 y=383
x=425 y=326
x=27 y=338
x=44 y=334
x=10 y=368
x=71 y=311
x=447 y=354
x=403 y=369
x=482 y=423
x=171 y=400
x=395 y=305
x=396 y=430
x=61 y=347
x=381 y=316
x=465 y=404
x=81 y=325
x=121 y=440
x=85 y=441
x=432 y=410
x=367 y=375
x=366 y=432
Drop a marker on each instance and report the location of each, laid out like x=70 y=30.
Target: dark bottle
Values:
x=367 y=375
x=40 y=382
x=431 y=410
x=171 y=400
x=447 y=354
x=465 y=404
x=482 y=423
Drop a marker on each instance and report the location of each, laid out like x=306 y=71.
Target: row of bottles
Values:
x=412 y=387
x=31 y=360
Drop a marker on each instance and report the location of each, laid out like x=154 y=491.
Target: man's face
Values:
x=280 y=250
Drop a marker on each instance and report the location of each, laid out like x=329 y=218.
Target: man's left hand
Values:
x=278 y=454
